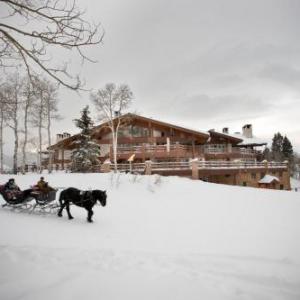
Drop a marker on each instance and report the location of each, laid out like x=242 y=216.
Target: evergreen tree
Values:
x=287 y=149
x=86 y=152
x=267 y=154
x=277 y=142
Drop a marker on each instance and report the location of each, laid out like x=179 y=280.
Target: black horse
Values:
x=86 y=199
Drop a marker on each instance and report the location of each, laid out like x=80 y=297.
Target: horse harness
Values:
x=85 y=196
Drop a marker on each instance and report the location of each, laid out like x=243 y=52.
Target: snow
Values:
x=295 y=184
x=157 y=238
x=269 y=179
x=250 y=141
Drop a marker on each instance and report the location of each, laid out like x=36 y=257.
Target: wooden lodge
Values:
x=157 y=147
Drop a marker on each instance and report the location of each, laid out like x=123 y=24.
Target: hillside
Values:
x=157 y=238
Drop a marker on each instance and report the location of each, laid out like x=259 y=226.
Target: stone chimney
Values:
x=247 y=131
x=225 y=130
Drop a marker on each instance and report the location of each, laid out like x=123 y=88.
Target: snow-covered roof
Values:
x=268 y=179
x=255 y=141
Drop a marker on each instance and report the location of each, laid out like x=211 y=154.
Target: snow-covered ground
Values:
x=157 y=238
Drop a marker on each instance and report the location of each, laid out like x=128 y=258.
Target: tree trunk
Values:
x=16 y=146
x=1 y=141
x=15 y=129
x=49 y=137
x=25 y=137
x=40 y=147
x=114 y=150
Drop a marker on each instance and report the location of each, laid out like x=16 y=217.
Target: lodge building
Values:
x=150 y=146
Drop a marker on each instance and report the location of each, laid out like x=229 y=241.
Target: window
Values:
x=253 y=175
x=281 y=186
x=262 y=175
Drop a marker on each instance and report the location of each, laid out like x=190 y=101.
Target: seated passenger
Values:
x=11 y=189
x=43 y=186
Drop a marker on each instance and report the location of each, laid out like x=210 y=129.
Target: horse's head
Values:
x=100 y=196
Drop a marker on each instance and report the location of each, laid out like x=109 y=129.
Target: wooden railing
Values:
x=181 y=150
x=135 y=167
x=202 y=165
x=239 y=164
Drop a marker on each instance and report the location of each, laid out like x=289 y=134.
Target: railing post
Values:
x=105 y=167
x=177 y=151
x=229 y=148
x=266 y=164
x=195 y=171
x=111 y=153
x=148 y=167
x=143 y=152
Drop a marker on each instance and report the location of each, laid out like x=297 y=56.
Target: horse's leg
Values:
x=62 y=206
x=90 y=214
x=68 y=210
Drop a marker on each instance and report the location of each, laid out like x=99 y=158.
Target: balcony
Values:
x=146 y=152
x=178 y=151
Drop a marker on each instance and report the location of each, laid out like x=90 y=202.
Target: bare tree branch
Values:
x=58 y=23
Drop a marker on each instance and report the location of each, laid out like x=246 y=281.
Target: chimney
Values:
x=59 y=137
x=66 y=135
x=225 y=130
x=247 y=131
x=117 y=113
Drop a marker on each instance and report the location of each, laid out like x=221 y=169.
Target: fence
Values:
x=199 y=165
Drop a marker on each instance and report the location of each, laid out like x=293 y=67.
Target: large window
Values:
x=137 y=131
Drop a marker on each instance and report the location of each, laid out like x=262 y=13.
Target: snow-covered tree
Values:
x=86 y=153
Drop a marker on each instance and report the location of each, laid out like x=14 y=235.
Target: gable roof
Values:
x=227 y=136
x=268 y=179
x=202 y=134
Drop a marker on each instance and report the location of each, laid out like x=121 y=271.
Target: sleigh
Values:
x=30 y=200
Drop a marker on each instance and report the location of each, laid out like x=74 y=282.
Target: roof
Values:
x=226 y=136
x=268 y=179
x=189 y=130
x=254 y=141
x=135 y=116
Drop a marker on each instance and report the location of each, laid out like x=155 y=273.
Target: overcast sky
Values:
x=205 y=64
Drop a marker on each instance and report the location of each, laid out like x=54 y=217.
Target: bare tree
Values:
x=111 y=102
x=32 y=28
x=3 y=109
x=51 y=102
x=12 y=100
x=39 y=114
x=28 y=103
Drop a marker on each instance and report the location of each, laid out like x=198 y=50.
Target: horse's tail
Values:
x=61 y=197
